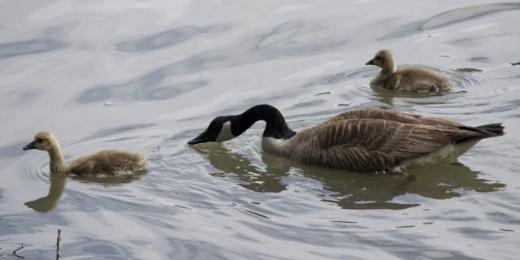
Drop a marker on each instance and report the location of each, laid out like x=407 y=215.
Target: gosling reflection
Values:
x=57 y=186
x=388 y=97
x=350 y=190
x=47 y=203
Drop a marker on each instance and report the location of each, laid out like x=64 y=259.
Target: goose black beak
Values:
x=31 y=145
x=370 y=62
x=202 y=138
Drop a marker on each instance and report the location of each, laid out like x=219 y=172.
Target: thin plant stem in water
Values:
x=58 y=239
x=18 y=249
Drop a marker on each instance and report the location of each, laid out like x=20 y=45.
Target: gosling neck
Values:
x=275 y=127
x=389 y=67
x=57 y=164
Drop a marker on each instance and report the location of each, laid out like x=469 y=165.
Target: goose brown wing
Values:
x=394 y=116
x=375 y=144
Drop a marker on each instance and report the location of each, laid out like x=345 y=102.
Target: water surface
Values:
x=148 y=76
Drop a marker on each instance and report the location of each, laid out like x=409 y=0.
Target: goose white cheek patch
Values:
x=225 y=133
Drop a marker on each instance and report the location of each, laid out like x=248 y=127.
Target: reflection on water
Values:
x=57 y=186
x=47 y=203
x=348 y=190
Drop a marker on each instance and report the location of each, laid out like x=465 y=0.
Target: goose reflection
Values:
x=349 y=190
x=248 y=175
x=57 y=186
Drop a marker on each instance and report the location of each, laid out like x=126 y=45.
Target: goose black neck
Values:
x=276 y=126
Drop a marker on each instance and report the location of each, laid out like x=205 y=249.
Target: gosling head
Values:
x=383 y=59
x=42 y=141
x=219 y=130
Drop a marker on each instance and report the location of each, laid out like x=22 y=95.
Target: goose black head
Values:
x=219 y=130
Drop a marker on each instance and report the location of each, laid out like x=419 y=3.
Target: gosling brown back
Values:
x=412 y=79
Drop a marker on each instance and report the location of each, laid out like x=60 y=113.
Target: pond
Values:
x=148 y=76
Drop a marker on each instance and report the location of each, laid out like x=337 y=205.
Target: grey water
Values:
x=147 y=76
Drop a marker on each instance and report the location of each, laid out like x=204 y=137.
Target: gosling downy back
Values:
x=100 y=164
x=367 y=140
x=412 y=79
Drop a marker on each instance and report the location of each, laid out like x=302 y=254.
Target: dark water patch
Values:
x=408 y=246
x=479 y=59
x=105 y=132
x=26 y=223
x=29 y=95
x=406 y=226
x=503 y=218
x=467 y=13
x=477 y=233
x=475 y=40
x=11 y=150
x=467 y=70
x=255 y=213
x=98 y=247
x=323 y=93
x=403 y=31
x=515 y=63
x=341 y=77
x=344 y=221
x=168 y=38
x=13 y=49
x=310 y=103
x=142 y=89
x=449 y=18
x=289 y=39
x=194 y=249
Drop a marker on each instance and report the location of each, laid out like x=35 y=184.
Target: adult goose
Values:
x=367 y=140
x=101 y=164
x=412 y=79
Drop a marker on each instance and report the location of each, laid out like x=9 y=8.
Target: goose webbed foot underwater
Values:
x=106 y=163
x=368 y=140
x=413 y=79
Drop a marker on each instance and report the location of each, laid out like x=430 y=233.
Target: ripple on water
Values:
x=39 y=174
x=467 y=13
x=448 y=18
x=287 y=39
x=13 y=49
x=168 y=38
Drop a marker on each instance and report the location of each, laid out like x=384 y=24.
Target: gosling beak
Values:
x=202 y=138
x=31 y=145
x=370 y=62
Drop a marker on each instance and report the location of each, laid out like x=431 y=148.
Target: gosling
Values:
x=370 y=140
x=413 y=79
x=101 y=164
